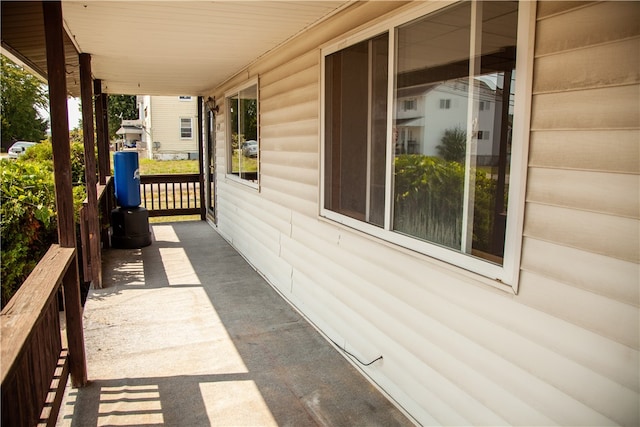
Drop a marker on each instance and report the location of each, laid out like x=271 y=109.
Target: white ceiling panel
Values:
x=183 y=47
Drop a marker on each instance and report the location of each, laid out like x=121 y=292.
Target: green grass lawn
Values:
x=155 y=167
x=241 y=162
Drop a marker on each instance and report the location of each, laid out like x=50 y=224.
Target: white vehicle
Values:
x=18 y=148
x=250 y=148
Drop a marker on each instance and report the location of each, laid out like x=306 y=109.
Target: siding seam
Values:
x=542 y=166
x=566 y=11
x=587 y=88
x=585 y=129
x=523 y=267
x=586 y=47
x=562 y=243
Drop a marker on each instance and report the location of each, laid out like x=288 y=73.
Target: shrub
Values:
x=43 y=153
x=28 y=227
x=453 y=145
x=429 y=198
x=28 y=210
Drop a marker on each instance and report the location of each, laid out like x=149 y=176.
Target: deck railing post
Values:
x=75 y=334
x=201 y=153
x=90 y=169
x=54 y=34
x=102 y=133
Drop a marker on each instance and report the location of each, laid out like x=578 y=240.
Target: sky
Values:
x=73 y=107
x=74 y=112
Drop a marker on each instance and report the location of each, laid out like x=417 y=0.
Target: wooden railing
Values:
x=92 y=263
x=169 y=195
x=34 y=366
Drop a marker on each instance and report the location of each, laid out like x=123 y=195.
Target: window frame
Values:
x=228 y=149
x=505 y=276
x=190 y=128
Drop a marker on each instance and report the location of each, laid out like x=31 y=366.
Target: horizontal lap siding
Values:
x=455 y=351
x=165 y=124
x=289 y=105
x=581 y=247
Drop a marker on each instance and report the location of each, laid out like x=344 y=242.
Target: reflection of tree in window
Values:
x=448 y=193
x=243 y=126
x=446 y=187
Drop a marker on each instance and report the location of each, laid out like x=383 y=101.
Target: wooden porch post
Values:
x=104 y=157
x=86 y=94
x=54 y=35
x=101 y=135
x=201 y=154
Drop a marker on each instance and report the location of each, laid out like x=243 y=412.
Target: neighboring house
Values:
x=424 y=113
x=170 y=126
x=541 y=331
x=130 y=134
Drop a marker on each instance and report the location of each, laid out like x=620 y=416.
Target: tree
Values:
x=121 y=107
x=453 y=145
x=21 y=95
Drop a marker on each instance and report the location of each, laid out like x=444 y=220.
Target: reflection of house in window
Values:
x=483 y=134
x=409 y=104
x=443 y=106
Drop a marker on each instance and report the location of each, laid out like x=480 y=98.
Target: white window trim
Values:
x=228 y=175
x=186 y=138
x=504 y=276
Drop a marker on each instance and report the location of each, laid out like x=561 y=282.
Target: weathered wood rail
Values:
x=92 y=262
x=34 y=366
x=169 y=195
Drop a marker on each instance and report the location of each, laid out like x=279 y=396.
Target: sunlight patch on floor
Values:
x=236 y=403
x=130 y=405
x=165 y=233
x=177 y=267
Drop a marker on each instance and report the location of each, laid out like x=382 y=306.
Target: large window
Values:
x=434 y=177
x=242 y=137
x=356 y=130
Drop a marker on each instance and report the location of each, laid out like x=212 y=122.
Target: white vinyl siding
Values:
x=165 y=127
x=564 y=350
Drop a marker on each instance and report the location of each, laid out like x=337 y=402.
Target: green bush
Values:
x=453 y=145
x=429 y=194
x=43 y=154
x=28 y=226
x=28 y=210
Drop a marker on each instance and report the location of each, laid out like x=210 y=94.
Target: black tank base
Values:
x=130 y=228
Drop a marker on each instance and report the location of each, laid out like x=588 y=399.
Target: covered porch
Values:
x=185 y=332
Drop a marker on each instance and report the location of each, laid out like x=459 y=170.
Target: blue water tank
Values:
x=126 y=175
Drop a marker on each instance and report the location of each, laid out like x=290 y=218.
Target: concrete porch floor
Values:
x=186 y=333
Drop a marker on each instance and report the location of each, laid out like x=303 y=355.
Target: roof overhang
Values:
x=23 y=41
x=160 y=47
x=129 y=129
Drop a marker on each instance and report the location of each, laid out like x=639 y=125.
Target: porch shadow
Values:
x=185 y=332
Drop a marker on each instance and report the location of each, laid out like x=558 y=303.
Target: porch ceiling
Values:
x=163 y=47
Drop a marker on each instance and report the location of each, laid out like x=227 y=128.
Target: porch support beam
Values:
x=201 y=154
x=102 y=132
x=54 y=35
x=86 y=94
x=104 y=156
x=59 y=123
